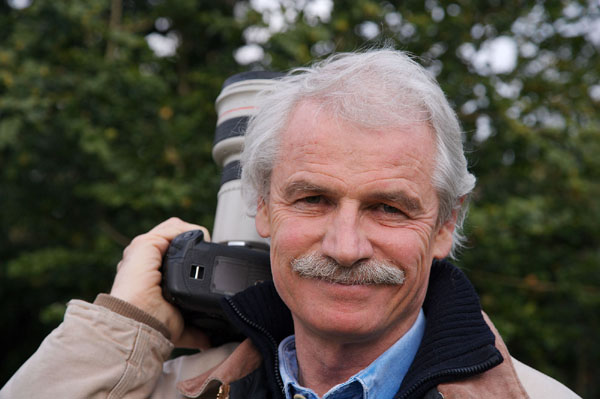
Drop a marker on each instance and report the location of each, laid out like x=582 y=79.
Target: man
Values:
x=356 y=171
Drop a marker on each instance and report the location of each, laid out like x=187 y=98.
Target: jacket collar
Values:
x=457 y=342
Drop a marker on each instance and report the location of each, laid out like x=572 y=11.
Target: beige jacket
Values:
x=101 y=353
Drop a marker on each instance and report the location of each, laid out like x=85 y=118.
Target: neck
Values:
x=321 y=368
x=325 y=361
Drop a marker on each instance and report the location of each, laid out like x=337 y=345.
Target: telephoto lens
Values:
x=198 y=275
x=235 y=105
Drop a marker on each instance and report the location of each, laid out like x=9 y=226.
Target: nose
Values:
x=344 y=240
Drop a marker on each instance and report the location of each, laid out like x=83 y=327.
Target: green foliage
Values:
x=100 y=140
x=96 y=147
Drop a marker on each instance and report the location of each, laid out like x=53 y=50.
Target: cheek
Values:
x=278 y=272
x=285 y=246
x=293 y=235
x=286 y=283
x=291 y=238
x=404 y=246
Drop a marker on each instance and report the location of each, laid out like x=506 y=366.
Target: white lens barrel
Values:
x=235 y=105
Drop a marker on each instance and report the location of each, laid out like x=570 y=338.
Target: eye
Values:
x=312 y=203
x=390 y=209
x=313 y=199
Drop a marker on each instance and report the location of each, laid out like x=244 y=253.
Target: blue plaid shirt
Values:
x=380 y=380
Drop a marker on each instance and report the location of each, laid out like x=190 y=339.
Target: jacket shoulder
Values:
x=539 y=385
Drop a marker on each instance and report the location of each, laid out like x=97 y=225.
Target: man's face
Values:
x=351 y=194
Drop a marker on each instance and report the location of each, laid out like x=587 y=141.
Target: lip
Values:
x=352 y=291
x=335 y=283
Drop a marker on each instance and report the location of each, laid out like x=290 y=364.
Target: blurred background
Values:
x=107 y=120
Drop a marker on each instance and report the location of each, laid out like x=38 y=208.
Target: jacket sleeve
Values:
x=94 y=353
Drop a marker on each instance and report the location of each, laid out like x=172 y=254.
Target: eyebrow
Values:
x=407 y=202
x=302 y=187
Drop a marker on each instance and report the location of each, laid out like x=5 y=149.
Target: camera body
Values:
x=196 y=274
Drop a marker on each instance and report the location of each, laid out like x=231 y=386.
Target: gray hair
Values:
x=373 y=89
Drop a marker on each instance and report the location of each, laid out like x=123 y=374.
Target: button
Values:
x=298 y=396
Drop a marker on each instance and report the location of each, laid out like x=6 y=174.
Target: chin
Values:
x=343 y=326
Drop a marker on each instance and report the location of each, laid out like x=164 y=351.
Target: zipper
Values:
x=461 y=371
x=267 y=334
x=223 y=392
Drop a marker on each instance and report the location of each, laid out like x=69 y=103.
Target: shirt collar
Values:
x=380 y=380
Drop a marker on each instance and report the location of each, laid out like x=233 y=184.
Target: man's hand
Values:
x=138 y=280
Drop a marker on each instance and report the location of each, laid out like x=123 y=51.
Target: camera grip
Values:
x=196 y=274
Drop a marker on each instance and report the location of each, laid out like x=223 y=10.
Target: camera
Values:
x=197 y=274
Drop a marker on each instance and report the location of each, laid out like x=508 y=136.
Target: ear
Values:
x=443 y=240
x=442 y=243
x=263 y=226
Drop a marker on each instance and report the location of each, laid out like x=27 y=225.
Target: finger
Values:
x=161 y=235
x=172 y=227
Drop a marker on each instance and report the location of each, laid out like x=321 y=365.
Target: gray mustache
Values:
x=368 y=272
